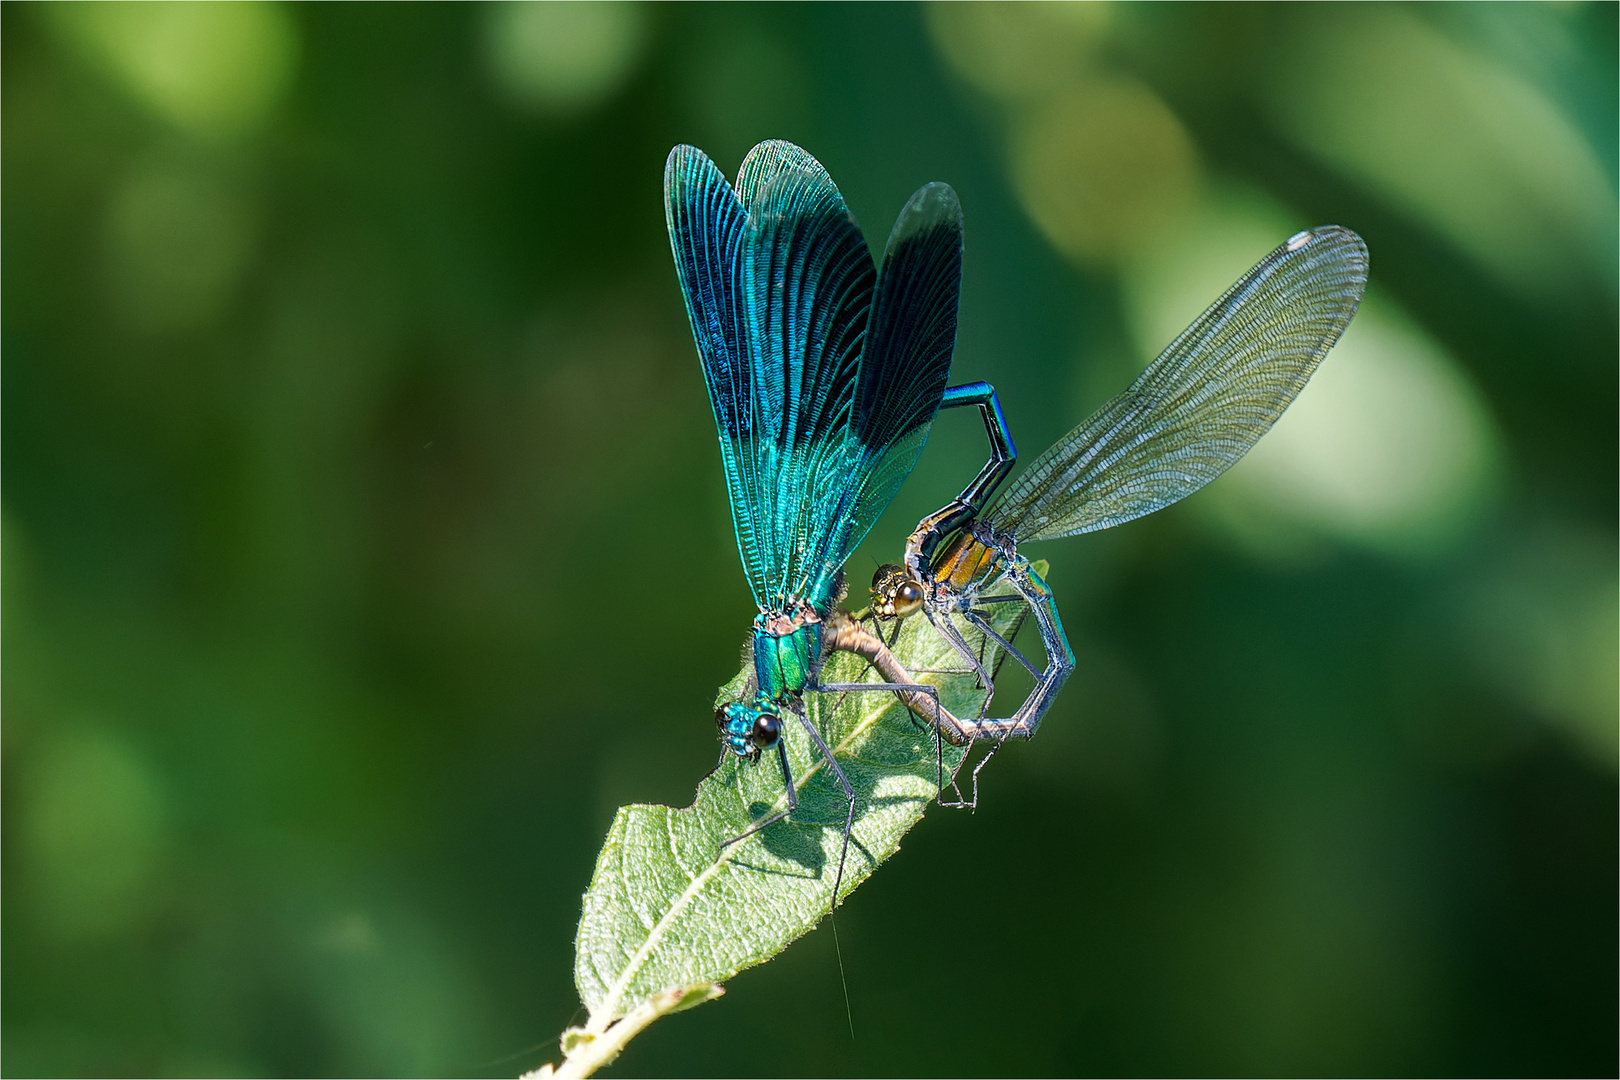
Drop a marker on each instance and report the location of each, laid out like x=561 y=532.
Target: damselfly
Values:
x=825 y=374
x=1186 y=419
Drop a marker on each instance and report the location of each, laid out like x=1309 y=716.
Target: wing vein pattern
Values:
x=823 y=373
x=1203 y=403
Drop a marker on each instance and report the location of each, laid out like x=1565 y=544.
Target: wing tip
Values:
x=1331 y=236
x=684 y=155
x=930 y=207
x=936 y=199
x=773 y=159
x=684 y=164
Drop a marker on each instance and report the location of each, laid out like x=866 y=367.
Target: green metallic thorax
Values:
x=787 y=654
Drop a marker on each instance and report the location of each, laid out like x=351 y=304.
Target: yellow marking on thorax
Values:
x=963 y=562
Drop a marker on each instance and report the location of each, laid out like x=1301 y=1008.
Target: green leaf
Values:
x=667 y=907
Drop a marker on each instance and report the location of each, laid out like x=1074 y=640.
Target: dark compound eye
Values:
x=884 y=577
x=907 y=599
x=767 y=729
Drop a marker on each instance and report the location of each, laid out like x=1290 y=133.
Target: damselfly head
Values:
x=747 y=731
x=895 y=593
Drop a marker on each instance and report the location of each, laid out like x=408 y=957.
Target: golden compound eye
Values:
x=907 y=599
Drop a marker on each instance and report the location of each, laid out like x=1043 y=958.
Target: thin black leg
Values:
x=792 y=799
x=1003 y=642
x=849 y=794
x=921 y=688
x=954 y=636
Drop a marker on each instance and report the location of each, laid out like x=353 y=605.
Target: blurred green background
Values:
x=365 y=543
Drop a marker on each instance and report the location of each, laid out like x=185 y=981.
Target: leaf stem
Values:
x=586 y=1049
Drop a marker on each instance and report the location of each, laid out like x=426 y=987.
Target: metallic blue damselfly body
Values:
x=825 y=373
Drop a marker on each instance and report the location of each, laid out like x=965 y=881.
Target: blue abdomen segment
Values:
x=785 y=663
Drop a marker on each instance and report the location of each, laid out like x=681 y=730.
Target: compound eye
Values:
x=767 y=730
x=884 y=578
x=907 y=599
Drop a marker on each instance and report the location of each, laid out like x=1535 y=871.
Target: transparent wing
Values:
x=1203 y=403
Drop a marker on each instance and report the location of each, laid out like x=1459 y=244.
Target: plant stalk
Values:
x=586 y=1049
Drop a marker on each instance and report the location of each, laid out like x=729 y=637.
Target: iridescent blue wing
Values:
x=844 y=479
x=1203 y=403
x=808 y=280
x=907 y=359
x=707 y=225
x=778 y=285
x=822 y=394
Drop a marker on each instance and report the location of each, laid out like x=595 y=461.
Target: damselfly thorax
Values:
x=963 y=566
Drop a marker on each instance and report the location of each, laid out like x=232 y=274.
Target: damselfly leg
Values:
x=844 y=633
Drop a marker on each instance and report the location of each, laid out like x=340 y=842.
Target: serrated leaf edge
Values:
x=607 y=1011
